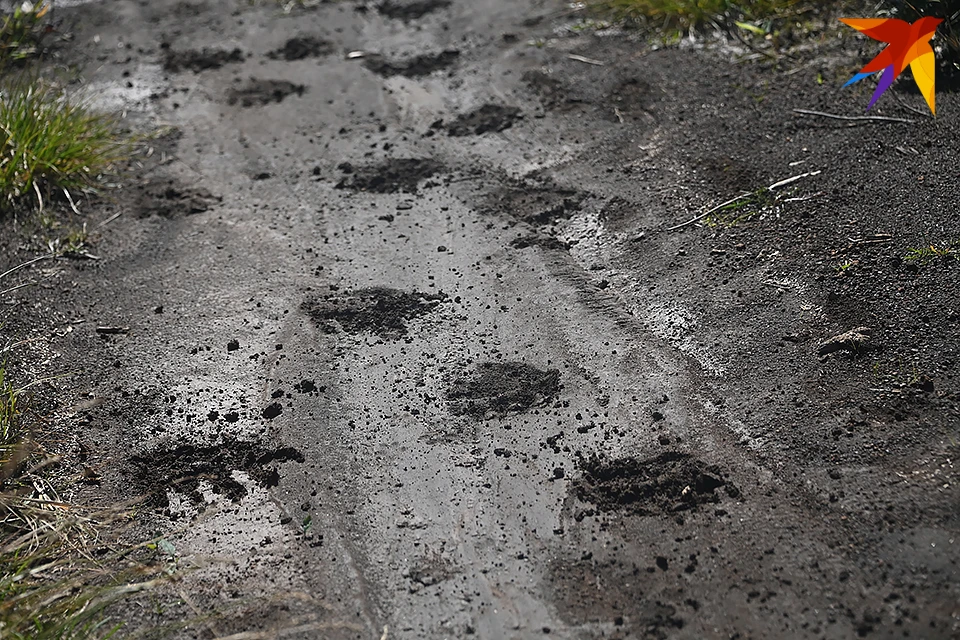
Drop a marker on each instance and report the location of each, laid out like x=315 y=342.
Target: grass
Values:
x=671 y=16
x=22 y=30
x=51 y=145
x=741 y=210
x=931 y=252
x=61 y=566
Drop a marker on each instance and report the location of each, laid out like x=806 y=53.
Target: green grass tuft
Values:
x=684 y=15
x=51 y=145
x=22 y=30
x=934 y=251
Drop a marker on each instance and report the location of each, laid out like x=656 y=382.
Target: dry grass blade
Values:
x=50 y=143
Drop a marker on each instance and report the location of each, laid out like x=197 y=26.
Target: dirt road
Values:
x=412 y=353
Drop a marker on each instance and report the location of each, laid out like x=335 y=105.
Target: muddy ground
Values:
x=413 y=354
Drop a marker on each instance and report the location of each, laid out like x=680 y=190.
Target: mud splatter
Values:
x=501 y=388
x=668 y=483
x=379 y=310
x=300 y=47
x=202 y=60
x=401 y=174
x=169 y=199
x=421 y=65
x=184 y=467
x=411 y=10
x=260 y=92
x=488 y=118
x=536 y=204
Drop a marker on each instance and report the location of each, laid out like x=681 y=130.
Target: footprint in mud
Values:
x=421 y=65
x=169 y=199
x=400 y=174
x=410 y=10
x=260 y=92
x=538 y=205
x=184 y=467
x=671 y=482
x=488 y=118
x=378 y=310
x=500 y=388
x=197 y=61
x=300 y=47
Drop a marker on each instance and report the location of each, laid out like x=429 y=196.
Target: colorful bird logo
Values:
x=909 y=45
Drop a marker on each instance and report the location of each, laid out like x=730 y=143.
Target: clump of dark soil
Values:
x=202 y=60
x=400 y=174
x=501 y=388
x=539 y=205
x=170 y=199
x=421 y=65
x=379 y=310
x=182 y=469
x=260 y=92
x=668 y=483
x=489 y=117
x=538 y=240
x=410 y=10
x=300 y=47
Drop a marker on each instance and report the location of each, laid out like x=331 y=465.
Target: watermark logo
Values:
x=909 y=45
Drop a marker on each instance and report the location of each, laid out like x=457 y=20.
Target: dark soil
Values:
x=668 y=483
x=384 y=312
x=488 y=118
x=202 y=60
x=304 y=46
x=756 y=431
x=392 y=176
x=536 y=203
x=421 y=65
x=501 y=388
x=167 y=198
x=184 y=467
x=411 y=10
x=258 y=92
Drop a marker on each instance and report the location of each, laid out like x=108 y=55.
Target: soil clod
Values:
x=379 y=310
x=300 y=47
x=170 y=199
x=184 y=467
x=851 y=341
x=421 y=65
x=402 y=174
x=488 y=118
x=202 y=60
x=670 y=482
x=501 y=388
x=260 y=92
x=410 y=10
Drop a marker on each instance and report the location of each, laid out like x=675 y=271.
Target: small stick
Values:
x=25 y=264
x=775 y=185
x=783 y=183
x=706 y=213
x=807 y=112
x=574 y=56
x=109 y=220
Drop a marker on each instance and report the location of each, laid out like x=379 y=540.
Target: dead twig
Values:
x=745 y=194
x=807 y=112
x=587 y=60
x=113 y=330
x=25 y=264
